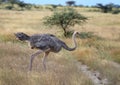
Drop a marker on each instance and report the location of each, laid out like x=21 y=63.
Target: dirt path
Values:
x=93 y=75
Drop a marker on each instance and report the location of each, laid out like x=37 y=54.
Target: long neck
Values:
x=74 y=41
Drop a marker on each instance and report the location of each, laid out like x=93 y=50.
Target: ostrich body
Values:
x=45 y=43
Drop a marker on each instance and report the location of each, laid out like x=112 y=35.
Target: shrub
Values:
x=116 y=12
x=84 y=35
x=9 y=7
x=65 y=19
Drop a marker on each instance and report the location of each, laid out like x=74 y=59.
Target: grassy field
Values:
x=98 y=54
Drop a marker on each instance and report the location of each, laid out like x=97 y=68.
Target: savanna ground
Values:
x=98 y=53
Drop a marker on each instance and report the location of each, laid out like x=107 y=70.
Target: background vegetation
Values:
x=98 y=47
x=65 y=19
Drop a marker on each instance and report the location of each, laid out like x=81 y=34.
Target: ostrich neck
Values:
x=74 y=41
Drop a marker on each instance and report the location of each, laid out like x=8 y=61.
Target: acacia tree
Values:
x=65 y=19
x=22 y=4
x=70 y=3
x=13 y=2
x=105 y=8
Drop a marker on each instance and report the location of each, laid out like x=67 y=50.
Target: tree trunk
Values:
x=65 y=32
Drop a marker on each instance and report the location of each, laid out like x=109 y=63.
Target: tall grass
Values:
x=14 y=62
x=98 y=54
x=98 y=57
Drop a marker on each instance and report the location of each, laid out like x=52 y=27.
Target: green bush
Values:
x=9 y=7
x=116 y=12
x=65 y=19
x=69 y=33
x=85 y=35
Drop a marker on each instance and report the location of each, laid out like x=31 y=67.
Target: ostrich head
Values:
x=22 y=36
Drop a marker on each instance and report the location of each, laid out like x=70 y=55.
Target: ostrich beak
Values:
x=16 y=35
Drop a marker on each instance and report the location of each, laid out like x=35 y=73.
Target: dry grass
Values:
x=115 y=53
x=31 y=22
x=98 y=54
x=26 y=21
x=99 y=57
x=104 y=25
x=14 y=62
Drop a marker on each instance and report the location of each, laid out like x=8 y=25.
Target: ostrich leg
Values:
x=44 y=59
x=32 y=58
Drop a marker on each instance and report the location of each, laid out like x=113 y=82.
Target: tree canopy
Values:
x=65 y=19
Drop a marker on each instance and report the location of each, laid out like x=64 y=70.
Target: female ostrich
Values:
x=45 y=43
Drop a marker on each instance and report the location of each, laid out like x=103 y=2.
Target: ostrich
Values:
x=45 y=43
